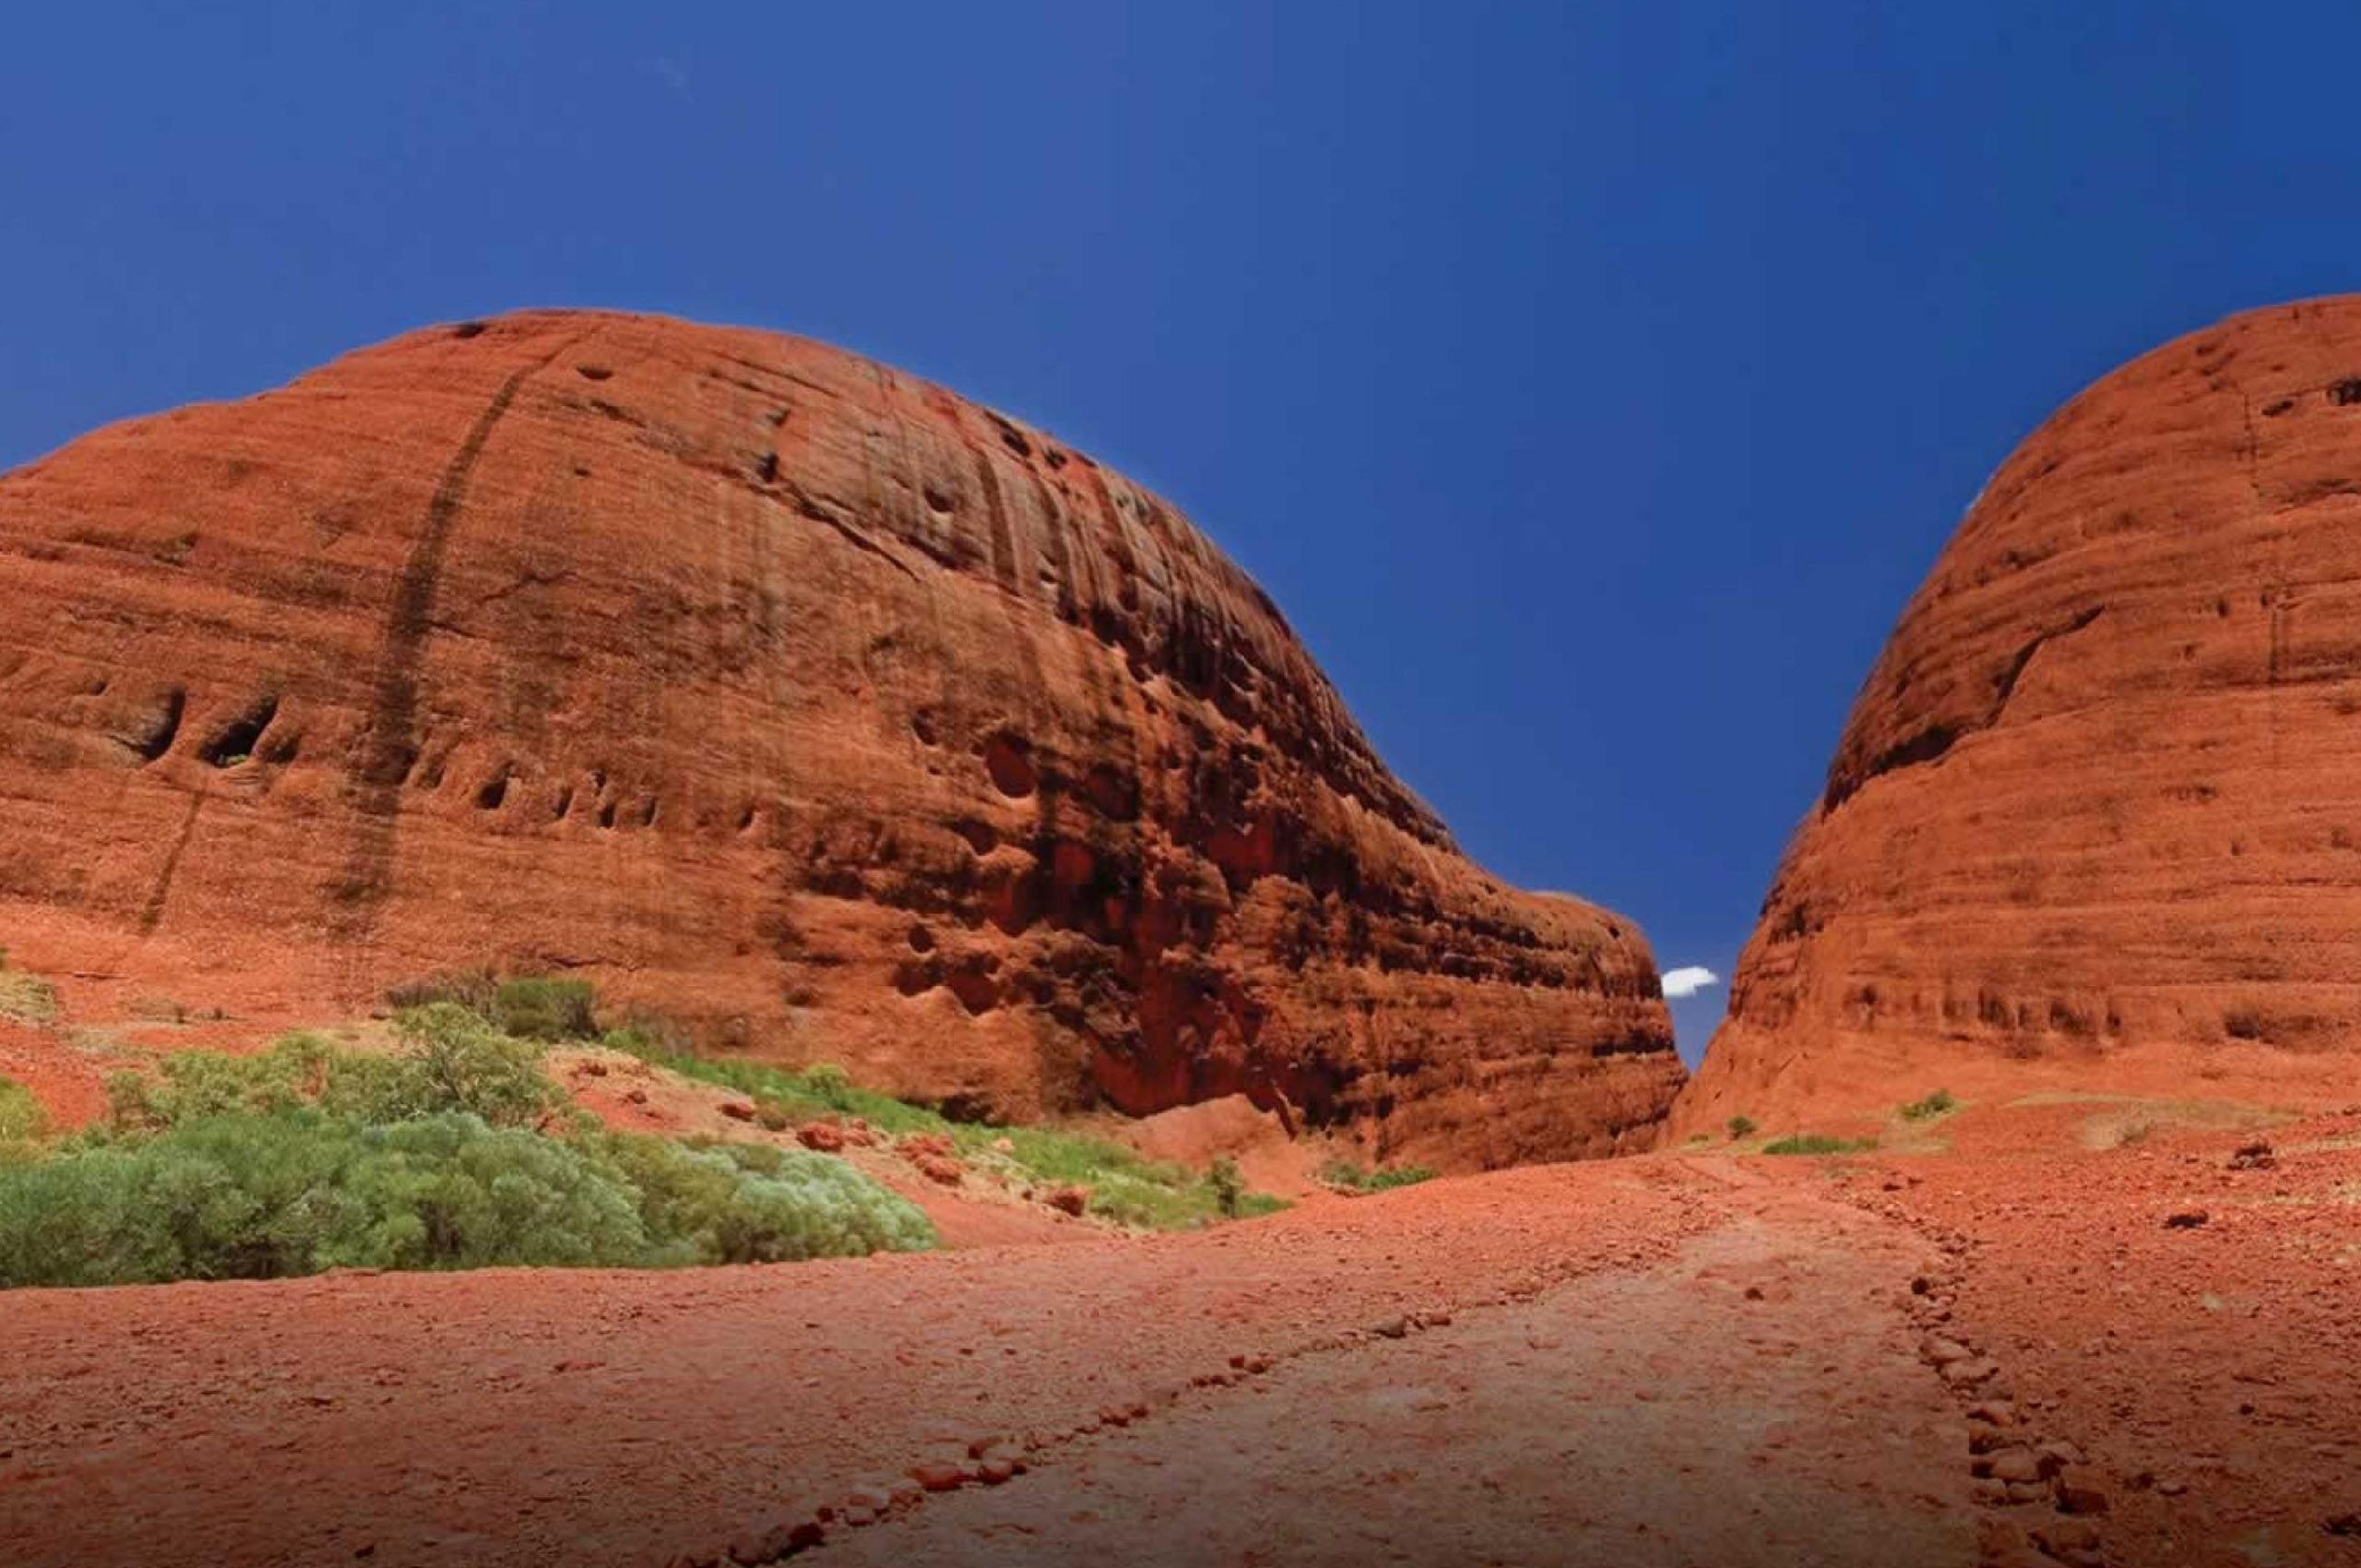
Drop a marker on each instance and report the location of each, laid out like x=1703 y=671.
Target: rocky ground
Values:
x=2019 y=1344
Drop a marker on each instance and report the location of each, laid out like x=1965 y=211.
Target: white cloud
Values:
x=1688 y=980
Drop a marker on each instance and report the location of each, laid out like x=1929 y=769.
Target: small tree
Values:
x=454 y=1062
x=1229 y=1187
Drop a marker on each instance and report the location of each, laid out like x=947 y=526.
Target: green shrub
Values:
x=451 y=1061
x=193 y=1086
x=472 y=989
x=1817 y=1143
x=1229 y=1186
x=1344 y=1173
x=1940 y=1103
x=21 y=1117
x=1124 y=1187
x=27 y=998
x=538 y=1007
x=455 y=1062
x=755 y=1203
x=1741 y=1127
x=266 y=1195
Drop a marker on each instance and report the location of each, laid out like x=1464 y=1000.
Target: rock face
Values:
x=2099 y=802
x=792 y=698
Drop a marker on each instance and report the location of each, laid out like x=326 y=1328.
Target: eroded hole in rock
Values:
x=1012 y=438
x=914 y=978
x=1009 y=759
x=2276 y=407
x=233 y=742
x=607 y=815
x=648 y=808
x=1012 y=902
x=155 y=737
x=394 y=766
x=468 y=329
x=746 y=818
x=921 y=939
x=593 y=372
x=494 y=791
x=1112 y=793
x=937 y=502
x=976 y=991
x=981 y=836
x=779 y=417
x=564 y=804
x=766 y=468
x=922 y=726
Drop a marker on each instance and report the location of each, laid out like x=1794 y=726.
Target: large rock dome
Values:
x=2096 y=815
x=790 y=697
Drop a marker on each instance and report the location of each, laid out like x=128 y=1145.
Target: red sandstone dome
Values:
x=2096 y=815
x=788 y=697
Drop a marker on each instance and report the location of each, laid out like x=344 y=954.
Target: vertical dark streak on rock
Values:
x=389 y=748
x=996 y=509
x=153 y=915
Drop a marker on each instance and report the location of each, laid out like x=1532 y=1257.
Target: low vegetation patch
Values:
x=1354 y=1178
x=26 y=999
x=21 y=1117
x=1817 y=1143
x=452 y=1153
x=1741 y=1127
x=543 y=1007
x=1938 y=1104
x=1124 y=1186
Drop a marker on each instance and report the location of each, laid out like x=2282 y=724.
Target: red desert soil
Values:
x=1677 y=1358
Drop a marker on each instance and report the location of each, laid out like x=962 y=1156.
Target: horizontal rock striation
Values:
x=795 y=699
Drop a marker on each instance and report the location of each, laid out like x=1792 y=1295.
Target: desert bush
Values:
x=1229 y=1188
x=539 y=1007
x=1817 y=1143
x=755 y=1203
x=1940 y=1103
x=194 y=1086
x=1124 y=1186
x=453 y=1062
x=450 y=1061
x=471 y=989
x=21 y=1117
x=1378 y=1179
x=1741 y=1127
x=266 y=1195
x=27 y=998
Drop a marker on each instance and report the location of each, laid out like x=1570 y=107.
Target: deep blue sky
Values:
x=1590 y=382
